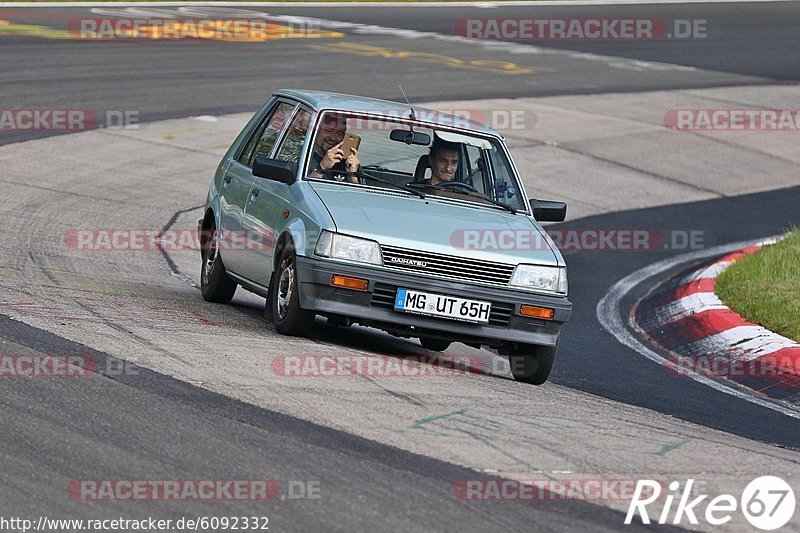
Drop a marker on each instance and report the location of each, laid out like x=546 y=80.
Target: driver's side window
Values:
x=503 y=181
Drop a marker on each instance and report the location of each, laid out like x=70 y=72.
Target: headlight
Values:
x=338 y=246
x=545 y=278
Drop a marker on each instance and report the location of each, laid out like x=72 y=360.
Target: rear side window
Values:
x=262 y=142
x=293 y=141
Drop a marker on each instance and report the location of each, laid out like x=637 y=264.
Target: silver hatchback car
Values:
x=374 y=212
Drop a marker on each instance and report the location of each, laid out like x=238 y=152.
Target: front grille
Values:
x=384 y=294
x=461 y=268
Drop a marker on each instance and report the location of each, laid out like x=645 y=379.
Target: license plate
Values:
x=438 y=305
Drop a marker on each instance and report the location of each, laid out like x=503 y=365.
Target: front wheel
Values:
x=287 y=315
x=531 y=363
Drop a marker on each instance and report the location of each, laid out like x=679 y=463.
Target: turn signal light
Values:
x=350 y=283
x=536 y=312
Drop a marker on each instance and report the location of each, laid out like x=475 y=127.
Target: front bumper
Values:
x=374 y=307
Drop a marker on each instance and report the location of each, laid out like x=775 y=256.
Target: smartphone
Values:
x=350 y=141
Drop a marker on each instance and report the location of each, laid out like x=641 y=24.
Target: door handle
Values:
x=253 y=195
x=226 y=181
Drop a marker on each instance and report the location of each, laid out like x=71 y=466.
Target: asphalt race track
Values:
x=193 y=78
x=199 y=398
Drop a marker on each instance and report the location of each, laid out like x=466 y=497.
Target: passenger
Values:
x=443 y=160
x=328 y=154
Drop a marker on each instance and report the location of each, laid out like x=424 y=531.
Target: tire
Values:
x=287 y=315
x=436 y=345
x=215 y=285
x=531 y=363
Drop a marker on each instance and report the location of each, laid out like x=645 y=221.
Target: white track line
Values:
x=609 y=314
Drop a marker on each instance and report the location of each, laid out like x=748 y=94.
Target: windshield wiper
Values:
x=362 y=174
x=465 y=193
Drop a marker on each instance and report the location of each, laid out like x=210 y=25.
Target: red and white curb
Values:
x=717 y=328
x=688 y=321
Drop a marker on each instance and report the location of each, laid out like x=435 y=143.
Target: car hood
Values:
x=436 y=225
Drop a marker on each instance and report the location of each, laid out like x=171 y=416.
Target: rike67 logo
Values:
x=768 y=503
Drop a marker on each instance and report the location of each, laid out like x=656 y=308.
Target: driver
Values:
x=443 y=159
x=328 y=154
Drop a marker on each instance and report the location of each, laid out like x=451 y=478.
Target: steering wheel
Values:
x=456 y=185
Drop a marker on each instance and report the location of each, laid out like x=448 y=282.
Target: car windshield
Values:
x=435 y=162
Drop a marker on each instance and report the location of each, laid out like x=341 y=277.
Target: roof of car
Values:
x=319 y=100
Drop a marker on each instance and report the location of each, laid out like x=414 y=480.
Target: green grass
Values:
x=765 y=287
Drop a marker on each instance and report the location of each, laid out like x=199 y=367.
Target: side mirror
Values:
x=548 y=210
x=410 y=137
x=274 y=169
